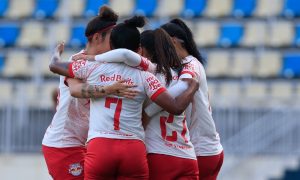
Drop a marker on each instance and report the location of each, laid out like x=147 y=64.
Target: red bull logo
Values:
x=75 y=169
x=115 y=77
x=153 y=83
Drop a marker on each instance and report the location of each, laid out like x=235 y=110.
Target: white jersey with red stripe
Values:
x=69 y=126
x=204 y=135
x=167 y=133
x=117 y=117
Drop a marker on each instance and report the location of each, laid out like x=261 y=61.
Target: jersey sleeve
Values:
x=174 y=91
x=190 y=69
x=82 y=69
x=128 y=57
x=152 y=85
x=146 y=65
x=152 y=109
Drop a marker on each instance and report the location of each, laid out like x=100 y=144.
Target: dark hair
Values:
x=162 y=51
x=126 y=35
x=177 y=28
x=104 y=21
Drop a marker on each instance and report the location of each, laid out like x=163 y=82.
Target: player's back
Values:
x=167 y=133
x=118 y=117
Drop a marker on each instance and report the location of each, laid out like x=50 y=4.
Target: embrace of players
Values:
x=132 y=105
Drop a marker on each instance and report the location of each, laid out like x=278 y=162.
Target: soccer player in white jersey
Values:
x=203 y=132
x=64 y=141
x=115 y=147
x=171 y=154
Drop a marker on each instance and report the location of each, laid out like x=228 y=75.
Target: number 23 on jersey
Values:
x=163 y=126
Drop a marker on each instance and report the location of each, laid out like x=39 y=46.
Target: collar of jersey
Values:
x=186 y=60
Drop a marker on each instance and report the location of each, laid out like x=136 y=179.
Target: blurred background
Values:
x=252 y=57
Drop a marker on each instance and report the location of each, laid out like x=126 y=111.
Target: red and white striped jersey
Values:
x=204 y=135
x=117 y=117
x=69 y=126
x=168 y=134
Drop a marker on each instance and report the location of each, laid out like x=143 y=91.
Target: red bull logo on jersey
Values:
x=153 y=83
x=75 y=169
x=189 y=67
x=115 y=77
x=78 y=64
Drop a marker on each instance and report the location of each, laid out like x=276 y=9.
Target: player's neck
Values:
x=91 y=50
x=182 y=53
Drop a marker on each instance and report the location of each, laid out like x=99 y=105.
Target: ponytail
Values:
x=162 y=51
x=179 y=29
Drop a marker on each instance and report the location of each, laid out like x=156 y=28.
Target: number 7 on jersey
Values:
x=108 y=102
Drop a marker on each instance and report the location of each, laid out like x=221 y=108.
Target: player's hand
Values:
x=192 y=83
x=59 y=49
x=121 y=89
x=83 y=57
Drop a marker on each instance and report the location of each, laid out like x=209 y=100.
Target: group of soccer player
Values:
x=132 y=105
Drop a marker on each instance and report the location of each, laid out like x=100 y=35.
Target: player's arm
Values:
x=81 y=89
x=177 y=105
x=180 y=85
x=174 y=91
x=120 y=56
x=58 y=67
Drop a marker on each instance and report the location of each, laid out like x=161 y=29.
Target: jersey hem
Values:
x=210 y=153
x=62 y=146
x=89 y=139
x=170 y=154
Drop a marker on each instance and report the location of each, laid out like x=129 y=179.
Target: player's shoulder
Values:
x=121 y=67
x=80 y=63
x=147 y=76
x=80 y=52
x=145 y=73
x=194 y=60
x=191 y=62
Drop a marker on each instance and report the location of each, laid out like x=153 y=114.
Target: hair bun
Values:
x=176 y=21
x=107 y=14
x=136 y=21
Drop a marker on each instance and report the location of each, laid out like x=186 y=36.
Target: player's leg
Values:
x=65 y=163
x=209 y=166
x=133 y=164
x=100 y=160
x=170 y=167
